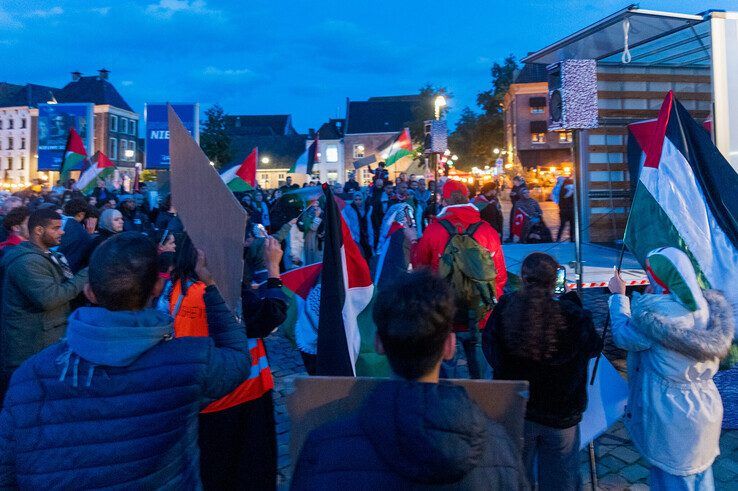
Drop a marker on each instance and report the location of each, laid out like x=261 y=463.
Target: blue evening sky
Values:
x=287 y=56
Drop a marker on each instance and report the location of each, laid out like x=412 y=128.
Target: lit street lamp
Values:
x=265 y=160
x=454 y=158
x=439 y=103
x=496 y=151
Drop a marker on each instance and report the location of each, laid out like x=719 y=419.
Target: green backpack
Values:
x=470 y=269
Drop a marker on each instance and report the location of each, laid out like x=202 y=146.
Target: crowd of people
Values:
x=122 y=366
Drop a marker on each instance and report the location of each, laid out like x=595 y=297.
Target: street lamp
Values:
x=439 y=103
x=265 y=160
x=496 y=151
x=454 y=158
x=129 y=154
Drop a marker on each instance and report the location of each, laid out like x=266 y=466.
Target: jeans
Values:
x=556 y=453
x=661 y=480
x=471 y=342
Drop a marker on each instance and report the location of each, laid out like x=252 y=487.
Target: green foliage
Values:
x=476 y=135
x=214 y=139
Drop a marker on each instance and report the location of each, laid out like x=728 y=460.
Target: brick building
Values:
x=330 y=166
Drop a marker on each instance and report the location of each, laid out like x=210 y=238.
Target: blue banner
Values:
x=54 y=122
x=157 y=131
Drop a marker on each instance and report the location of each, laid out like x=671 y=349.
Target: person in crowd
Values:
x=489 y=205
x=101 y=193
x=310 y=224
x=402 y=195
x=92 y=217
x=534 y=229
x=402 y=178
x=547 y=340
x=58 y=188
x=92 y=201
x=134 y=220
x=9 y=203
x=110 y=223
x=566 y=209
x=377 y=200
x=675 y=336
x=134 y=390
x=16 y=227
x=412 y=432
x=111 y=203
x=236 y=436
x=380 y=172
x=166 y=242
x=261 y=205
x=38 y=285
x=464 y=218
x=76 y=241
x=515 y=195
x=359 y=221
x=167 y=218
x=351 y=185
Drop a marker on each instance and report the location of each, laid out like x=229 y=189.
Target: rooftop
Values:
x=31 y=95
x=95 y=89
x=282 y=150
x=380 y=114
x=260 y=125
x=531 y=73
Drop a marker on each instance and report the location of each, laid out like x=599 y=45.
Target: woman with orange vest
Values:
x=237 y=435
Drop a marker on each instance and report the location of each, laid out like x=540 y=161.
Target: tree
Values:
x=424 y=110
x=214 y=139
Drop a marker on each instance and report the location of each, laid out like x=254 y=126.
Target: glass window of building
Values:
x=331 y=153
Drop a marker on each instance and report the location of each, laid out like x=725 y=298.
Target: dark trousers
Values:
x=566 y=218
x=238 y=447
x=555 y=454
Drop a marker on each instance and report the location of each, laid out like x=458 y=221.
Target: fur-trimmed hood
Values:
x=667 y=322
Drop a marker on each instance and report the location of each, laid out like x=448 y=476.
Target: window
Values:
x=132 y=127
x=10 y=142
x=22 y=163
x=124 y=125
x=358 y=151
x=113 y=122
x=331 y=153
x=538 y=137
x=132 y=147
x=23 y=123
x=565 y=136
x=113 y=150
x=280 y=177
x=11 y=123
x=23 y=144
x=122 y=151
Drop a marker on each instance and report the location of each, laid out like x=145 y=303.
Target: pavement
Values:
x=619 y=465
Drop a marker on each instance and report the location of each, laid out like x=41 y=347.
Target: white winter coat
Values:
x=674 y=410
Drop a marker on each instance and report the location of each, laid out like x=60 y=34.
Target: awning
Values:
x=671 y=33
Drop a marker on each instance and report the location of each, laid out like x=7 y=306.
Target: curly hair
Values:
x=533 y=319
x=414 y=317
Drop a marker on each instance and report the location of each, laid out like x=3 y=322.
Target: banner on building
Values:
x=54 y=123
x=157 y=130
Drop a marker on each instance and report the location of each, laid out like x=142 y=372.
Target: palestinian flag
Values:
x=297 y=285
x=392 y=259
x=242 y=177
x=346 y=293
x=100 y=168
x=305 y=163
x=75 y=154
x=686 y=197
x=397 y=148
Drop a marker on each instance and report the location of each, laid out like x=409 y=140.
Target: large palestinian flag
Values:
x=346 y=292
x=305 y=162
x=75 y=154
x=397 y=148
x=686 y=197
x=100 y=168
x=242 y=177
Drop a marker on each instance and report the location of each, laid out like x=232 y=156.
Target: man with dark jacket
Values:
x=133 y=219
x=489 y=206
x=37 y=288
x=413 y=432
x=116 y=403
x=351 y=185
x=76 y=243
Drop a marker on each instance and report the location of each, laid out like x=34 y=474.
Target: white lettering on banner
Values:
x=159 y=134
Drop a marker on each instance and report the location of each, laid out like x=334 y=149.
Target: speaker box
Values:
x=572 y=95
x=436 y=136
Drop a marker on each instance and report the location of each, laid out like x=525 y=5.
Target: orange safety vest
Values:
x=190 y=319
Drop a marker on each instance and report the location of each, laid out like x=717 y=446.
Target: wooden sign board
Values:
x=212 y=216
x=320 y=400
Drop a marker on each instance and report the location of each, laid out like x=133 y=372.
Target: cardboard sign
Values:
x=320 y=400
x=606 y=405
x=211 y=215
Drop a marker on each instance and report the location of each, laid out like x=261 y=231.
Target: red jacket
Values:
x=428 y=251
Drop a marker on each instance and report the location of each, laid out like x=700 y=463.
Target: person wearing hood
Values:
x=133 y=219
x=412 y=432
x=359 y=221
x=110 y=223
x=76 y=243
x=675 y=337
x=38 y=285
x=115 y=404
x=548 y=341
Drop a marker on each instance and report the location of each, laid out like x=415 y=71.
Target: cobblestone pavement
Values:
x=619 y=466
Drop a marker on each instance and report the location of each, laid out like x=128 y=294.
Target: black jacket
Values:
x=411 y=435
x=76 y=244
x=558 y=388
x=492 y=214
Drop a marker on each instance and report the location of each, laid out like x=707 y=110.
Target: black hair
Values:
x=185 y=260
x=92 y=212
x=42 y=217
x=74 y=206
x=16 y=216
x=414 y=317
x=123 y=271
x=533 y=319
x=166 y=203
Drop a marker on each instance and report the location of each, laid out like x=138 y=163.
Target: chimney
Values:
x=76 y=76
x=311 y=133
x=103 y=73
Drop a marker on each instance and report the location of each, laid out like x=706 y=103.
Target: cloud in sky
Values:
x=101 y=10
x=43 y=13
x=168 y=8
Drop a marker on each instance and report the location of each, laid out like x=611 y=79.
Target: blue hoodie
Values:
x=115 y=404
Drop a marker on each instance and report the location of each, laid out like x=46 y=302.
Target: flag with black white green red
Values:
x=75 y=154
x=686 y=198
x=346 y=292
x=101 y=167
x=297 y=285
x=242 y=177
x=392 y=259
x=306 y=162
x=397 y=148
